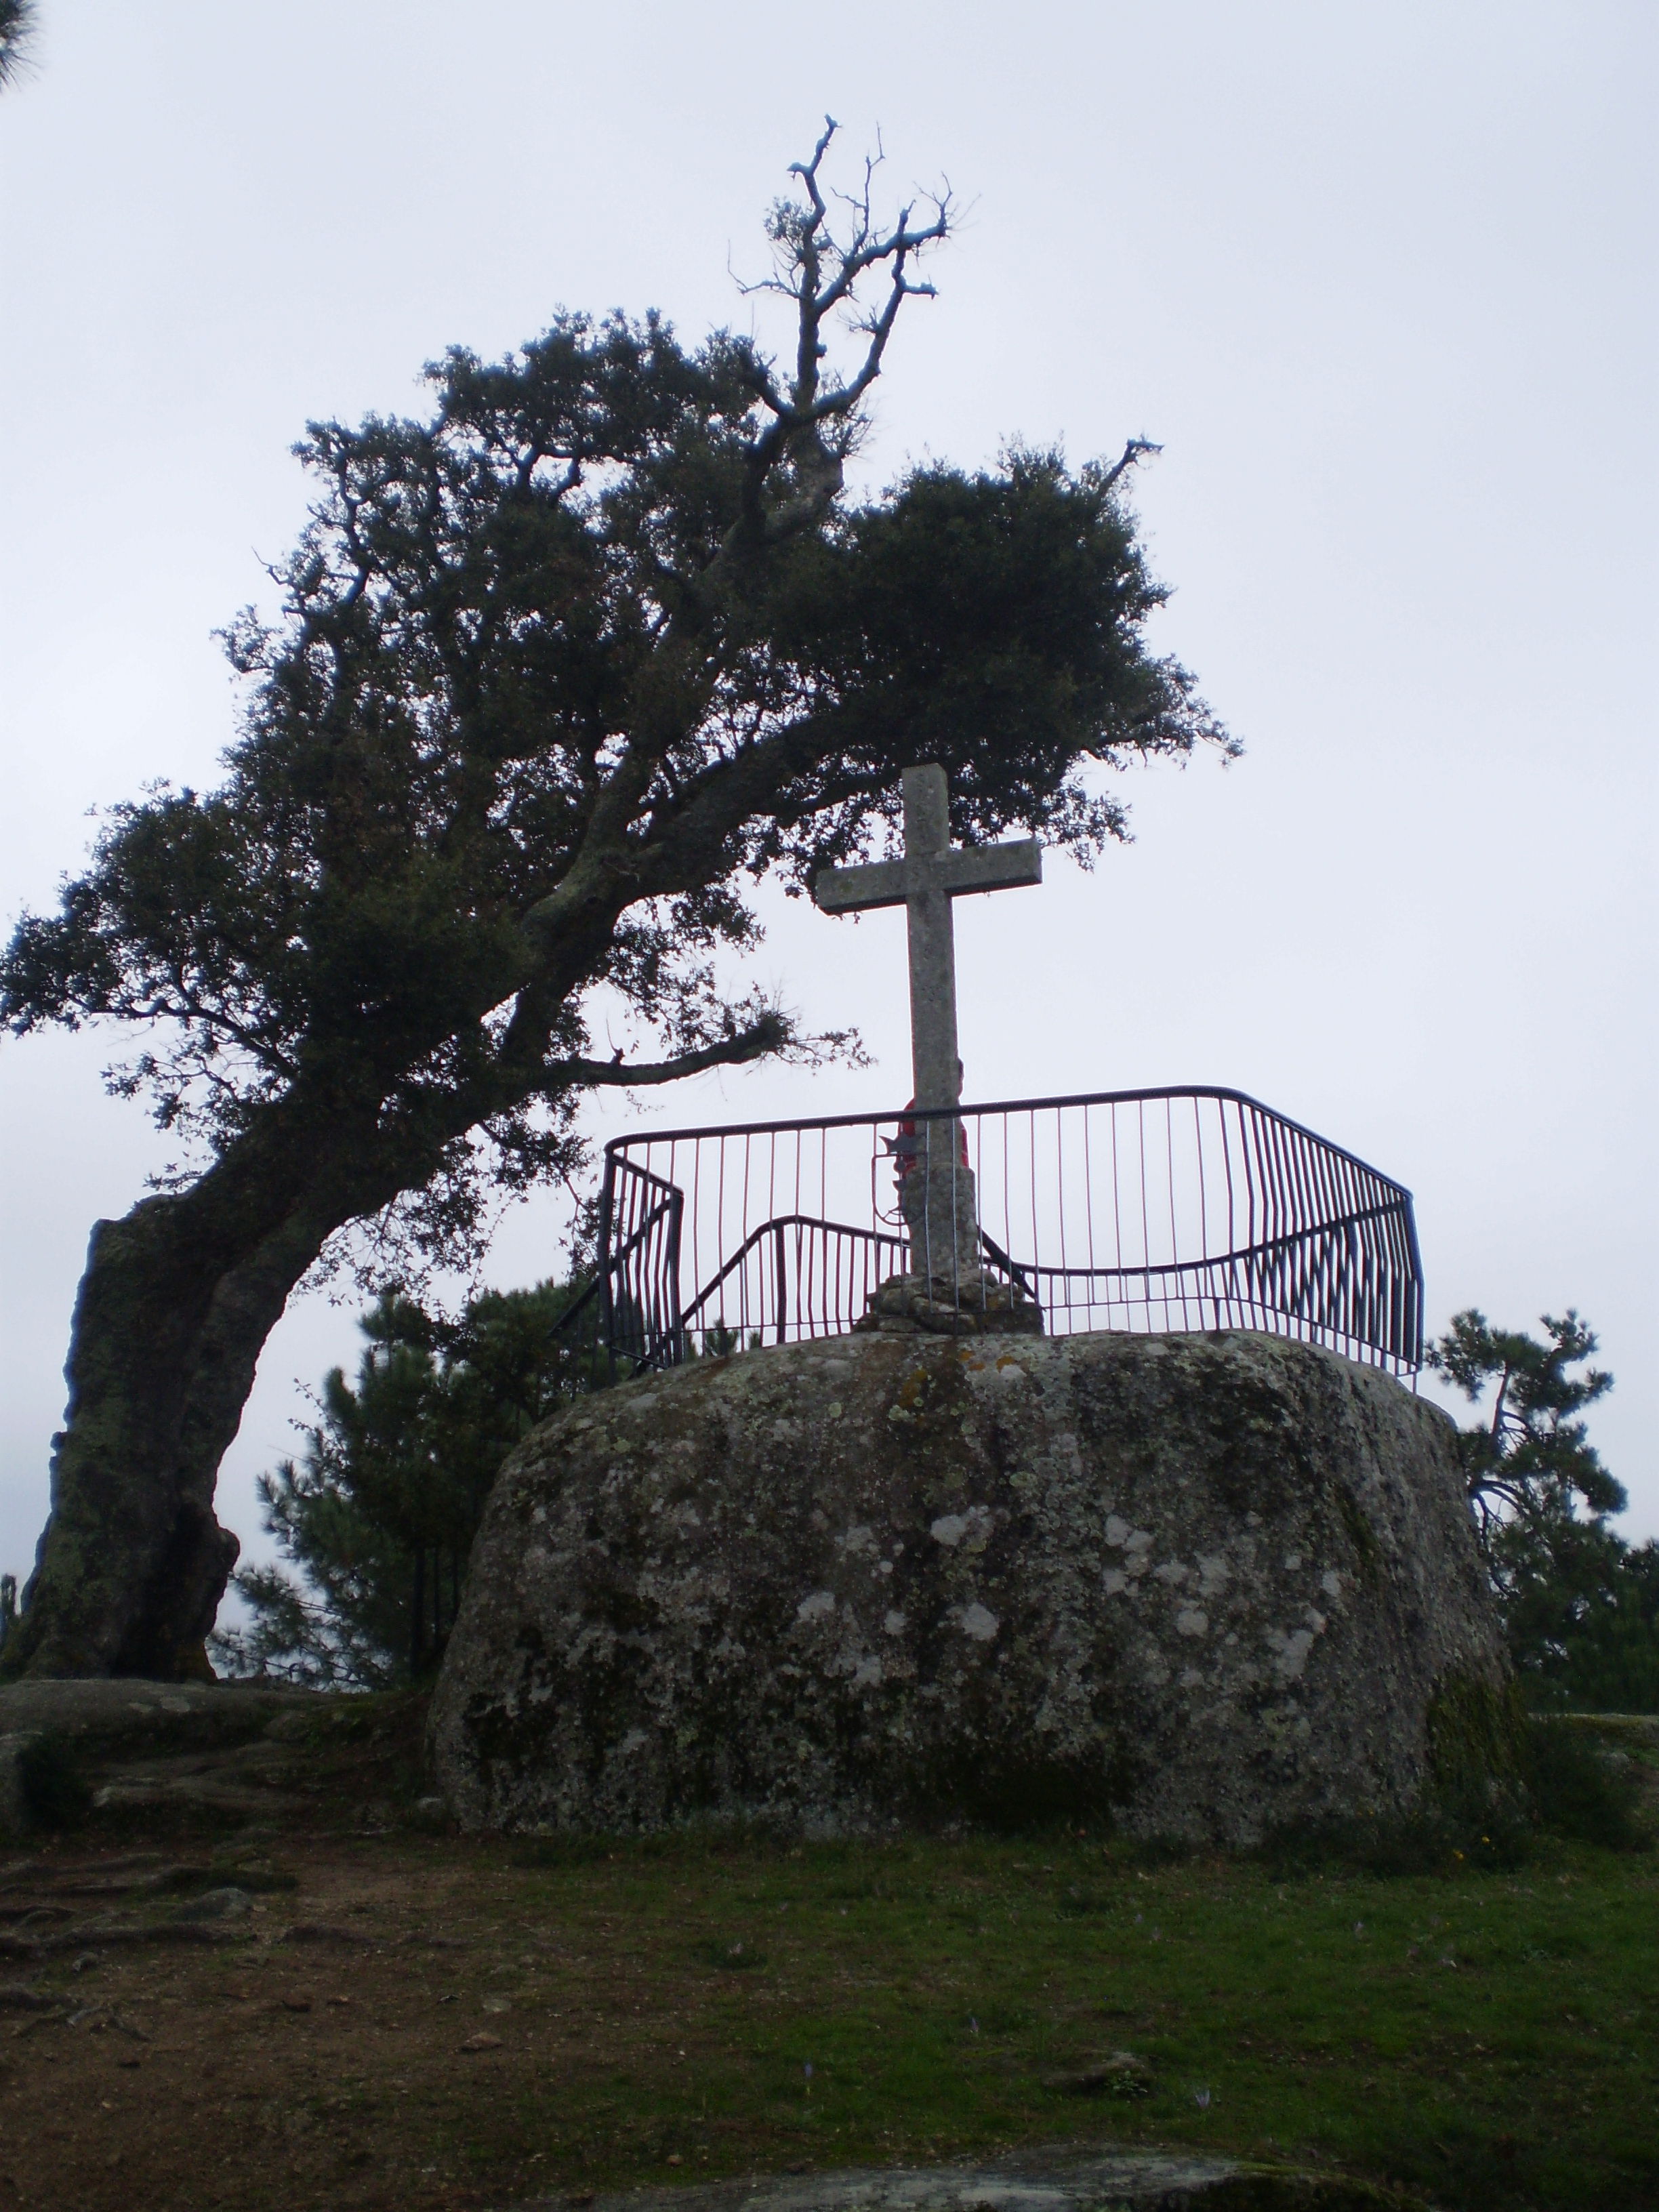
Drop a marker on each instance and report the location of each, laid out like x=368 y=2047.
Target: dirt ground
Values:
x=305 y=2066
x=326 y=2034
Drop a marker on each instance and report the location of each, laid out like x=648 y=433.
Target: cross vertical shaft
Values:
x=935 y=1063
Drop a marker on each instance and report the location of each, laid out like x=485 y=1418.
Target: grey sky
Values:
x=1380 y=278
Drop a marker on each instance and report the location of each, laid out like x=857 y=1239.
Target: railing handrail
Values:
x=770 y=1229
x=967 y=1108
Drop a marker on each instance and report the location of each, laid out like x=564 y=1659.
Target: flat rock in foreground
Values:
x=127 y=1713
x=1149 y=2181
x=192 y=1746
x=1201 y=1585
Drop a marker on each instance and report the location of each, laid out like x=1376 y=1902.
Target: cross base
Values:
x=976 y=1305
x=948 y=1290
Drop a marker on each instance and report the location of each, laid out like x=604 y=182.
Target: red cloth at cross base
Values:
x=904 y=1161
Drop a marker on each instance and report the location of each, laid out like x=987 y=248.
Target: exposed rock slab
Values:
x=1059 y=2181
x=124 y=1713
x=148 y=1744
x=1203 y=1585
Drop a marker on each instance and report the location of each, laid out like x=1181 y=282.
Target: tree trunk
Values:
x=174 y=1309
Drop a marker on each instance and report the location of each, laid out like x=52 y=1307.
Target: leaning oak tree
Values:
x=559 y=671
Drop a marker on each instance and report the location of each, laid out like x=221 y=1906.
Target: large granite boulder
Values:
x=1203 y=1585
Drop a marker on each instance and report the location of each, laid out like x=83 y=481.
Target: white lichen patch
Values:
x=1331 y=1583
x=1190 y=1621
x=1113 y=1581
x=971 y=1529
x=977 y=1621
x=1290 y=1651
x=895 y=1624
x=858 y=1540
x=818 y=1607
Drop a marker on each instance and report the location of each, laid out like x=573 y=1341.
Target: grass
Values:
x=1488 y=2039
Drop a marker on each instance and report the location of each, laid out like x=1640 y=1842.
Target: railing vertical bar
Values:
x=1203 y=1218
x=1227 y=1178
x=1145 y=1223
x=1117 y=1209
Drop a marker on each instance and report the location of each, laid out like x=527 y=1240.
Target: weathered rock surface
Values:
x=1035 y=2181
x=1203 y=1585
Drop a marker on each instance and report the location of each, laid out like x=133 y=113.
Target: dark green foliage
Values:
x=1583 y=1791
x=55 y=1792
x=379 y=1514
x=17 y=26
x=604 y=544
x=1532 y=1454
x=1583 y=1612
x=1581 y=1606
x=1557 y=1780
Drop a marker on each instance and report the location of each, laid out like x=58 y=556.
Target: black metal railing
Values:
x=1146 y=1210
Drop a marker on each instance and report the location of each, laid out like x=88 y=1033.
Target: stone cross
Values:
x=936 y=1186
x=923 y=882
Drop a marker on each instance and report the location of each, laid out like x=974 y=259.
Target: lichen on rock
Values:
x=1205 y=1586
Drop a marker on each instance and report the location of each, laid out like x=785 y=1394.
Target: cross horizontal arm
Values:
x=890 y=883
x=850 y=891
x=988 y=867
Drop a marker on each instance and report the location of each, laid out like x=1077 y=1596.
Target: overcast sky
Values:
x=1379 y=278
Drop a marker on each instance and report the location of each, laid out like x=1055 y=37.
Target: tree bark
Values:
x=174 y=1309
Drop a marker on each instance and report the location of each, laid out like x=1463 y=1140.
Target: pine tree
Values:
x=1581 y=1608
x=378 y=1513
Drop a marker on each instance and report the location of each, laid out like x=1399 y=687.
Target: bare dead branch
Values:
x=814 y=422
x=1127 y=459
